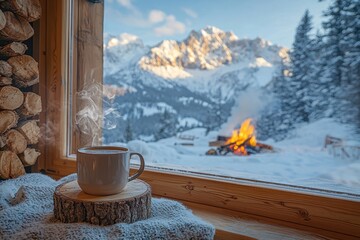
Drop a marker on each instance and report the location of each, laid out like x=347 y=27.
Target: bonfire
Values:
x=242 y=142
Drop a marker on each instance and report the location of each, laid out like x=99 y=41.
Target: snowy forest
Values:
x=322 y=78
x=318 y=78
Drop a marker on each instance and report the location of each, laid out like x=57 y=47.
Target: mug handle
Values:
x=142 y=166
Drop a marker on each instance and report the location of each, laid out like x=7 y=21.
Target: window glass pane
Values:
x=262 y=90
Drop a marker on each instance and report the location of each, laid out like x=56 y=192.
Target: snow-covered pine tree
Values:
x=342 y=53
x=209 y=120
x=128 y=134
x=218 y=109
x=350 y=45
x=318 y=85
x=276 y=119
x=167 y=125
x=301 y=68
x=334 y=27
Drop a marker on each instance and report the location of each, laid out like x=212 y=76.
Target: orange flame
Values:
x=242 y=136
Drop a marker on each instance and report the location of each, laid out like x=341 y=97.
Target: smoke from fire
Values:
x=249 y=104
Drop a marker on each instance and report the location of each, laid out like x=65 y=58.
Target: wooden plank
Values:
x=236 y=225
x=88 y=64
x=216 y=143
x=327 y=213
x=52 y=89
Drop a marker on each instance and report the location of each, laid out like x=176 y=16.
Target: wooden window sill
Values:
x=236 y=225
x=231 y=224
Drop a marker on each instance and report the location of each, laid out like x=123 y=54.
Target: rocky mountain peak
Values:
x=206 y=49
x=121 y=51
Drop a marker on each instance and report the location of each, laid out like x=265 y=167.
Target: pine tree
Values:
x=209 y=121
x=128 y=134
x=350 y=45
x=334 y=69
x=301 y=68
x=277 y=119
x=318 y=85
x=218 y=109
x=334 y=27
x=167 y=125
x=325 y=73
x=342 y=54
x=216 y=114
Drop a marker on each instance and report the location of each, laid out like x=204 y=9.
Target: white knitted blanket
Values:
x=29 y=215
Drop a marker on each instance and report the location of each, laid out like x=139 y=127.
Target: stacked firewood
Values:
x=19 y=73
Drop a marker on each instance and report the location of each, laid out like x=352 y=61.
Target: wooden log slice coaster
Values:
x=71 y=204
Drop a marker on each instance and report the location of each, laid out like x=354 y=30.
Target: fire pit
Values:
x=242 y=142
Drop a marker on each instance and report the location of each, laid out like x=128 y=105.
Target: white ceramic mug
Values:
x=104 y=170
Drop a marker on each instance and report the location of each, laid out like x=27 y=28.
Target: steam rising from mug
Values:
x=91 y=117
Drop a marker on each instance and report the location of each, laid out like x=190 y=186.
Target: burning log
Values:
x=230 y=147
x=242 y=142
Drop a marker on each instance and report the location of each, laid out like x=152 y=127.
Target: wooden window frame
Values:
x=315 y=211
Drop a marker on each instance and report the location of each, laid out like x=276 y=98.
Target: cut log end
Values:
x=15 y=141
x=16 y=28
x=5 y=81
x=31 y=106
x=28 y=9
x=2 y=20
x=11 y=98
x=31 y=131
x=29 y=156
x=10 y=165
x=132 y=204
x=8 y=119
x=25 y=70
x=5 y=69
x=13 y=49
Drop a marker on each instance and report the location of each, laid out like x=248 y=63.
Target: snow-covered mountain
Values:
x=122 y=51
x=206 y=60
x=208 y=49
x=189 y=76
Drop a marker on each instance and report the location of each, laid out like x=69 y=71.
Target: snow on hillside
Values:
x=299 y=160
x=151 y=109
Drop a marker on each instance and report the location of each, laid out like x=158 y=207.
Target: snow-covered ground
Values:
x=299 y=160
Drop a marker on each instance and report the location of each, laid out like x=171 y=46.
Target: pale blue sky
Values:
x=156 y=20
